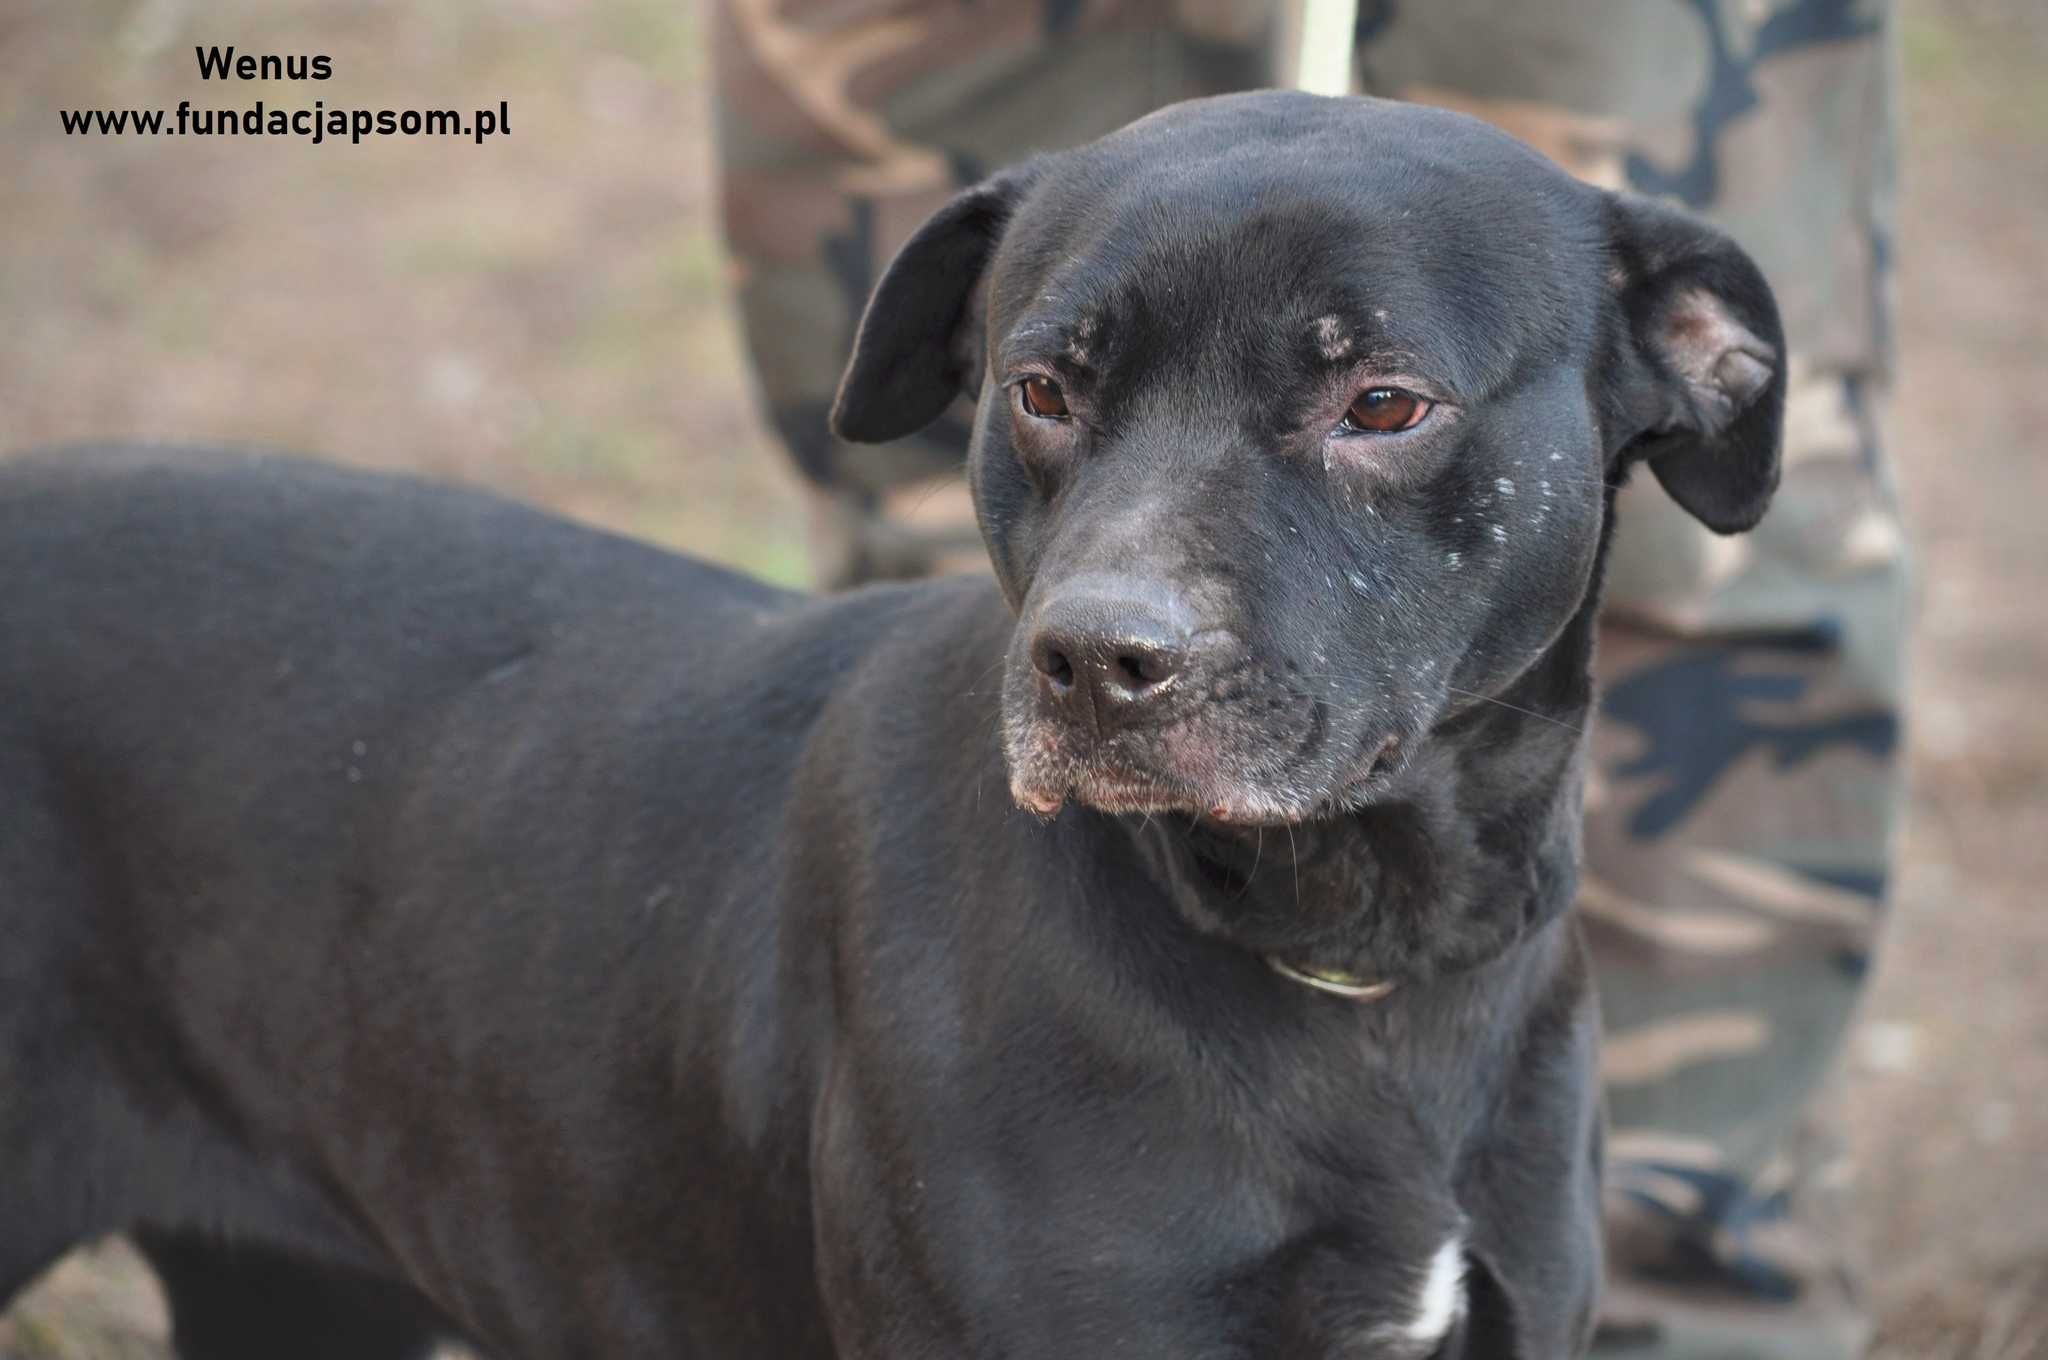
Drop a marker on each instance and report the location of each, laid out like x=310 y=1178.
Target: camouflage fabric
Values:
x=842 y=124
x=1746 y=759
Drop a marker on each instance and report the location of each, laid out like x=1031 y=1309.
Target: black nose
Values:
x=1108 y=657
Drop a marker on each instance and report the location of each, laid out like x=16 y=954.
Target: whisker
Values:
x=973 y=687
x=1258 y=851
x=1517 y=708
x=1357 y=709
x=1294 y=856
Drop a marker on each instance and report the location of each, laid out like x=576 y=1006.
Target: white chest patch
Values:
x=1442 y=1297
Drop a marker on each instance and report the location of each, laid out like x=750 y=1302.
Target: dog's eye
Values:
x=1042 y=398
x=1386 y=410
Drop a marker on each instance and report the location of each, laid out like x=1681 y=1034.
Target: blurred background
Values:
x=547 y=313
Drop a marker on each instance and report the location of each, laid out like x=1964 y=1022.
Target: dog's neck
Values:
x=1474 y=848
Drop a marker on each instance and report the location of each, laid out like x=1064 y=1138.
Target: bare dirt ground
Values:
x=545 y=313
x=1944 y=1091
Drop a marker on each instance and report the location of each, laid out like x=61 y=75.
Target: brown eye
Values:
x=1386 y=410
x=1043 y=398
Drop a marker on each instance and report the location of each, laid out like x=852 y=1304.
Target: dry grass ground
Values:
x=1944 y=1094
x=545 y=313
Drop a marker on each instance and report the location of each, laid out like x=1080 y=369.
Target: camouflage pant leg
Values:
x=842 y=123
x=1746 y=758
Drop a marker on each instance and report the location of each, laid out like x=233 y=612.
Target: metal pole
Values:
x=1323 y=64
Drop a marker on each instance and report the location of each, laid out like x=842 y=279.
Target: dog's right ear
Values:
x=919 y=342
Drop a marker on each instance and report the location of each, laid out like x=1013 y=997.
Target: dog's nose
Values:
x=1109 y=657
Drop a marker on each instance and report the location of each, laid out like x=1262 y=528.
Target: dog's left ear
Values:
x=919 y=344
x=1704 y=378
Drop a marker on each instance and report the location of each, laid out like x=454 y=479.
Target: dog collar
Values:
x=1350 y=986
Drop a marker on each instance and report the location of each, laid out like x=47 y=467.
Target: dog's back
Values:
x=322 y=791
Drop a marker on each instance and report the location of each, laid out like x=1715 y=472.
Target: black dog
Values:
x=426 y=916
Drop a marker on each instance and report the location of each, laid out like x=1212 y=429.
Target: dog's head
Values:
x=1297 y=418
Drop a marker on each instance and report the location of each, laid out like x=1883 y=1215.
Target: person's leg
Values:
x=1745 y=766
x=842 y=123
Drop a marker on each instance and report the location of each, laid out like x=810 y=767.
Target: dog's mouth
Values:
x=1044 y=782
